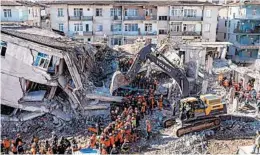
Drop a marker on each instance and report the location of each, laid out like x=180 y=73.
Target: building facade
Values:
x=123 y=22
x=242 y=27
x=20 y=12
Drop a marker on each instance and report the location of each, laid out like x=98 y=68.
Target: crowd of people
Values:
x=115 y=138
x=245 y=94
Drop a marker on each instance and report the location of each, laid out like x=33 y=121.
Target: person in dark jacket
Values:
x=114 y=150
x=20 y=149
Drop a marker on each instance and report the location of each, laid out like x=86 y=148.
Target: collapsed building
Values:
x=44 y=72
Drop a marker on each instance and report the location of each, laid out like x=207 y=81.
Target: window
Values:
x=116 y=41
x=190 y=13
x=115 y=12
x=99 y=28
x=61 y=27
x=60 y=12
x=229 y=23
x=208 y=13
x=162 y=17
x=207 y=27
x=3 y=51
x=99 y=12
x=188 y=27
x=225 y=35
x=148 y=12
x=116 y=28
x=176 y=28
x=87 y=27
x=131 y=12
x=7 y=13
x=78 y=27
x=177 y=12
x=225 y=23
x=162 y=31
x=131 y=27
x=42 y=60
x=78 y=12
x=148 y=27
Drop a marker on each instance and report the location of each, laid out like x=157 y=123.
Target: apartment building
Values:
x=243 y=30
x=122 y=22
x=21 y=12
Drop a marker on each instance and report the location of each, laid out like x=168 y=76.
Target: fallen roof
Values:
x=32 y=35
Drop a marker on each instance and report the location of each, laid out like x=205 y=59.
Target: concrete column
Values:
x=61 y=65
x=52 y=92
x=224 y=52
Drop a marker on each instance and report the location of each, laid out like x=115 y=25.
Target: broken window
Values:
x=54 y=65
x=6 y=110
x=42 y=60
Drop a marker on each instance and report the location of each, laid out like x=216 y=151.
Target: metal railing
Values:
x=183 y=18
x=247 y=31
x=80 y=18
x=87 y=33
x=192 y=33
x=117 y=17
x=153 y=17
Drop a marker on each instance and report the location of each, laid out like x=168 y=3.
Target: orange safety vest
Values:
x=112 y=140
x=120 y=137
x=107 y=143
x=117 y=137
x=148 y=127
x=7 y=143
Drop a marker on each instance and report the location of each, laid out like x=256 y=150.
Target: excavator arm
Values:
x=146 y=53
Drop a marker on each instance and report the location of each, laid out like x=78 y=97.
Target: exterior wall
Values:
x=19 y=14
x=210 y=35
x=55 y=20
x=88 y=10
x=222 y=24
x=34 y=15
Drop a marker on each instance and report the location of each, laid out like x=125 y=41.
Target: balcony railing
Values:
x=192 y=33
x=136 y=33
x=153 y=17
x=75 y=18
x=247 y=31
x=182 y=18
x=175 y=33
x=117 y=32
x=239 y=59
x=87 y=33
x=117 y=17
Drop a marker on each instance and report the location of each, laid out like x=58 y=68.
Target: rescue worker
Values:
x=20 y=149
x=18 y=139
x=220 y=79
x=14 y=147
x=143 y=109
x=148 y=129
x=112 y=138
x=258 y=102
x=257 y=143
x=160 y=102
x=7 y=145
x=93 y=141
x=114 y=150
x=125 y=147
x=104 y=150
x=107 y=144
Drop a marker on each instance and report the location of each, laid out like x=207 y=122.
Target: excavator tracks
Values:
x=198 y=125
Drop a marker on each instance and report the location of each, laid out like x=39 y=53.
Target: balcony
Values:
x=175 y=33
x=247 y=31
x=182 y=18
x=117 y=17
x=239 y=59
x=86 y=18
x=192 y=33
x=83 y=18
x=87 y=33
x=117 y=32
x=240 y=45
x=153 y=17
x=153 y=33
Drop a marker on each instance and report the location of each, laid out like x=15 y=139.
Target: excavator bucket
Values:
x=118 y=80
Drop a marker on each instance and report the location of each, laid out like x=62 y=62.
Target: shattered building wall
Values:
x=41 y=72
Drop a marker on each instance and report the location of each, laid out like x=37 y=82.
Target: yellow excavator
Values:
x=195 y=113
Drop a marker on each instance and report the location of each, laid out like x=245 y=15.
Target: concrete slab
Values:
x=246 y=150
